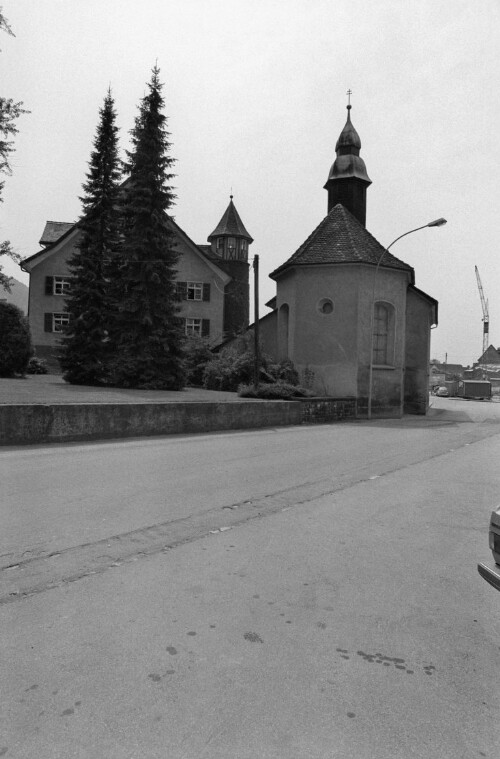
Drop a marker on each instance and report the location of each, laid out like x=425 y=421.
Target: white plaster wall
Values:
x=191 y=267
x=332 y=351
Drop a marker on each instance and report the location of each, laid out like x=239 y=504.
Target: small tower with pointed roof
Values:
x=229 y=244
x=230 y=239
x=348 y=180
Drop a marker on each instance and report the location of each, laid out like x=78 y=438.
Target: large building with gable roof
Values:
x=326 y=293
x=212 y=280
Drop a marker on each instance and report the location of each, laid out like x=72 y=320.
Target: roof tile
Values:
x=54 y=230
x=339 y=239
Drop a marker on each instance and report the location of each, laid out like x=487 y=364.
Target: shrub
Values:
x=196 y=356
x=15 y=341
x=284 y=371
x=37 y=366
x=228 y=369
x=274 y=391
x=235 y=366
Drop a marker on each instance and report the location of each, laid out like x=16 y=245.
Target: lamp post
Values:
x=437 y=223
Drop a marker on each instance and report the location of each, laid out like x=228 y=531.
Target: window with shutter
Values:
x=205 y=327
x=49 y=285
x=206 y=291
x=47 y=318
x=194 y=290
x=60 y=321
x=193 y=326
x=61 y=285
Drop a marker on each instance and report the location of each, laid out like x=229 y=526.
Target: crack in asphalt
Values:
x=22 y=578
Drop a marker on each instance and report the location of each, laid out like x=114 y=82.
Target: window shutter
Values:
x=49 y=286
x=182 y=290
x=206 y=291
x=48 y=320
x=205 y=327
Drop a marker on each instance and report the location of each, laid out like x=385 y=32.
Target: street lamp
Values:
x=437 y=223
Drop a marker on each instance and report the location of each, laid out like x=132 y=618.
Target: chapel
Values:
x=347 y=312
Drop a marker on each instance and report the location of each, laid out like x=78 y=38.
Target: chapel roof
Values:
x=341 y=239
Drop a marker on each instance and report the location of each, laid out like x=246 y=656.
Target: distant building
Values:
x=213 y=282
x=327 y=291
x=491 y=356
x=487 y=368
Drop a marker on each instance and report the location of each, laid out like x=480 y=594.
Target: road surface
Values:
x=298 y=592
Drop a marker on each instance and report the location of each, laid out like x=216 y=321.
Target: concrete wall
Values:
x=54 y=265
x=21 y=425
x=331 y=350
x=323 y=346
x=268 y=334
x=191 y=267
x=38 y=423
x=417 y=354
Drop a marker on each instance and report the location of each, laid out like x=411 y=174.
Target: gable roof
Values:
x=61 y=231
x=213 y=265
x=490 y=356
x=53 y=231
x=27 y=264
x=438 y=368
x=340 y=239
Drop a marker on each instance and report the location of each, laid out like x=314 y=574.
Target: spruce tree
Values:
x=85 y=348
x=146 y=334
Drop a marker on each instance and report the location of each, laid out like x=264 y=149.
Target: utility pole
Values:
x=256 y=366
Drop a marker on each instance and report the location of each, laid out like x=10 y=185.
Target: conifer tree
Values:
x=85 y=348
x=146 y=334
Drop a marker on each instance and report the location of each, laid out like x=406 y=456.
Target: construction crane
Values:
x=486 y=317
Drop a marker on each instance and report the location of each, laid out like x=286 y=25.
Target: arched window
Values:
x=383 y=334
x=283 y=330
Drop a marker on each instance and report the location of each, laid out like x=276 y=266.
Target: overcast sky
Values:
x=255 y=96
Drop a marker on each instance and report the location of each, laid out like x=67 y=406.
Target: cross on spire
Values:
x=349 y=93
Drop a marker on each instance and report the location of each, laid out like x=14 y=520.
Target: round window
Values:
x=325 y=306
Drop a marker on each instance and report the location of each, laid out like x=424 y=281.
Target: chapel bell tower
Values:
x=348 y=180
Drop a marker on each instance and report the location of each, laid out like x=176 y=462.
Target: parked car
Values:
x=492 y=573
x=442 y=392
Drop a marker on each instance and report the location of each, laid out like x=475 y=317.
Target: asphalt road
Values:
x=291 y=593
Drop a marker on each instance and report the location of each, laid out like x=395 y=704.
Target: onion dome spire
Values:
x=348 y=179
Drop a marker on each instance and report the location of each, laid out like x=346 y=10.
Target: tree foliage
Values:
x=86 y=348
x=146 y=332
x=234 y=365
x=15 y=341
x=9 y=113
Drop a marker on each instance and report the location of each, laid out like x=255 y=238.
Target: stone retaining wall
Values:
x=324 y=410
x=58 y=423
